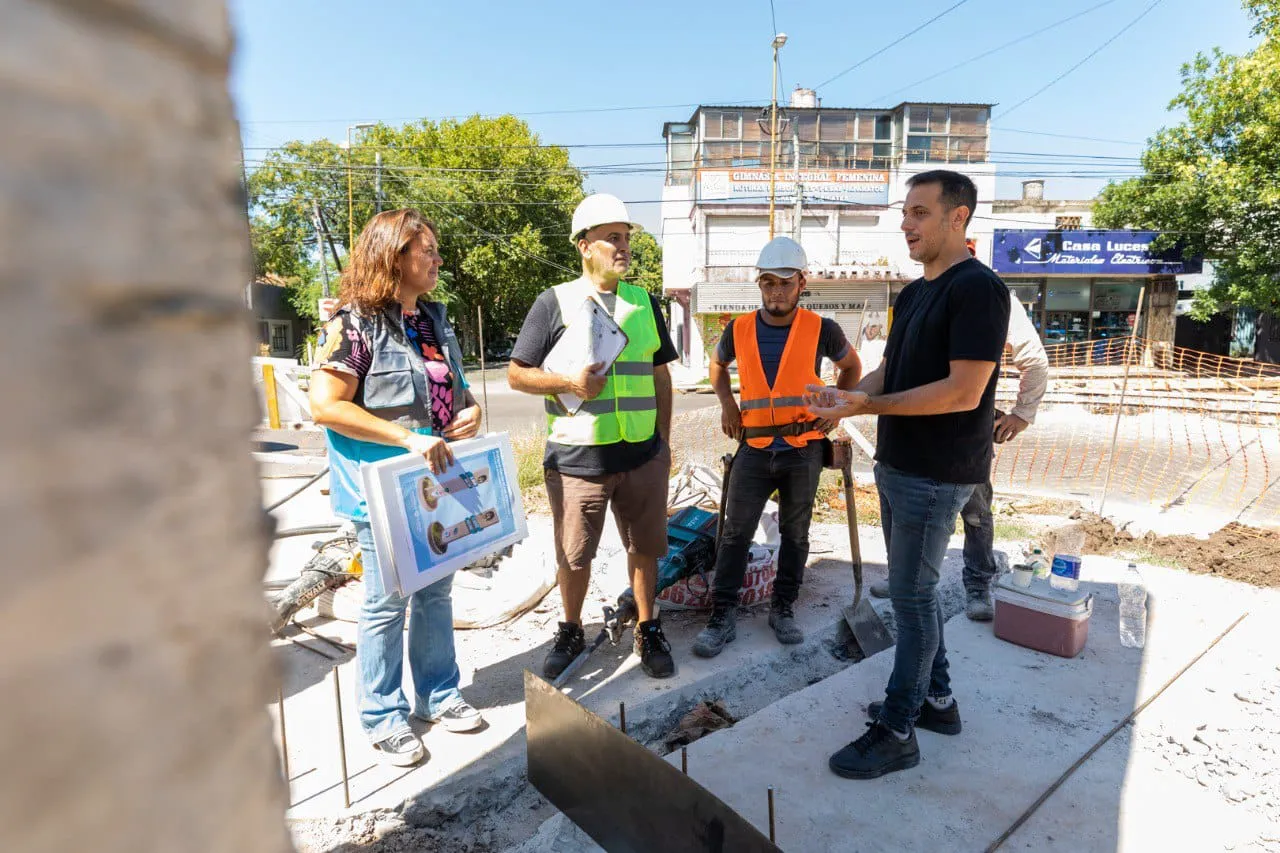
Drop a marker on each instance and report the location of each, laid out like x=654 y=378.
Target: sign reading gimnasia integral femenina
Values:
x=750 y=185
x=1038 y=252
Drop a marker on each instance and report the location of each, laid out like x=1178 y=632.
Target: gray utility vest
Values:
x=396 y=387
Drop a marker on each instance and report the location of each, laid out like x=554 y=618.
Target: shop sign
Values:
x=1091 y=252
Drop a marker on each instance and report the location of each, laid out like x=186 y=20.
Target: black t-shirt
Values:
x=962 y=315
x=541 y=329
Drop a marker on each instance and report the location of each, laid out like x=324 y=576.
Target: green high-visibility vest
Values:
x=627 y=408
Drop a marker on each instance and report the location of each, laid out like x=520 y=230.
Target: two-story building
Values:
x=840 y=172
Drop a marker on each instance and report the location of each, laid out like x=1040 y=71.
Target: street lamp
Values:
x=351 y=217
x=779 y=40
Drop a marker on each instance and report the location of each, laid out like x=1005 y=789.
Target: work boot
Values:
x=944 y=722
x=570 y=641
x=654 y=650
x=879 y=589
x=876 y=753
x=782 y=619
x=721 y=630
x=978 y=606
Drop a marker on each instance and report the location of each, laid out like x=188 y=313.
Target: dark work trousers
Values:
x=756 y=474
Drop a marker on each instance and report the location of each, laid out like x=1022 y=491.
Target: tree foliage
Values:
x=501 y=200
x=1213 y=181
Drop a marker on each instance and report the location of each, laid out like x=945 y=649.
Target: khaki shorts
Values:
x=639 y=500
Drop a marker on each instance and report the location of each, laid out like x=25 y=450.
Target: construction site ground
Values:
x=472 y=796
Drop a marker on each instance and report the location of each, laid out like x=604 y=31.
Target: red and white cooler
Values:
x=1041 y=617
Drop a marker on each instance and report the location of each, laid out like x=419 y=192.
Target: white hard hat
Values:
x=783 y=257
x=599 y=209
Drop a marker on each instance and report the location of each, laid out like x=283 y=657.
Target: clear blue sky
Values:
x=306 y=70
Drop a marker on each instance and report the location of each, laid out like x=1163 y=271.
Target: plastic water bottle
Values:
x=1064 y=574
x=1039 y=565
x=1133 y=609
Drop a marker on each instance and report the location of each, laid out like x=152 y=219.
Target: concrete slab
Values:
x=1028 y=717
x=483 y=771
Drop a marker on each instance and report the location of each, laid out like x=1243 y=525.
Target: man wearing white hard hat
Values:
x=779 y=350
x=613 y=450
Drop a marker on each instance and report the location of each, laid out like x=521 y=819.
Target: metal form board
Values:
x=621 y=794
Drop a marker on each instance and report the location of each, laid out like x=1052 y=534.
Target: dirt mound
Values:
x=1237 y=552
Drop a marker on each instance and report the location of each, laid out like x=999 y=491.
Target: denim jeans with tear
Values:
x=979 y=540
x=918 y=516
x=380 y=646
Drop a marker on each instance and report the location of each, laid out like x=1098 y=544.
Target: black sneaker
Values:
x=570 y=641
x=654 y=650
x=944 y=722
x=876 y=753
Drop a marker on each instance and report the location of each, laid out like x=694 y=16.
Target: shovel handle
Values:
x=851 y=511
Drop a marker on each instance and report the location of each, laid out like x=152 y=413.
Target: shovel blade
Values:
x=869 y=630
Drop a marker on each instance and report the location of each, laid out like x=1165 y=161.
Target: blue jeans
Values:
x=979 y=540
x=756 y=474
x=918 y=516
x=380 y=644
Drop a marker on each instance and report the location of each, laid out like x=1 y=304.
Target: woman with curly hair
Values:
x=388 y=381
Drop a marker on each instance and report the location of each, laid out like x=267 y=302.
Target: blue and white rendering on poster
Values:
x=458 y=510
x=427 y=526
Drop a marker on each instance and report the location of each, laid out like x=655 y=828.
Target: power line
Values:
x=1019 y=40
x=1090 y=55
x=1068 y=136
x=896 y=41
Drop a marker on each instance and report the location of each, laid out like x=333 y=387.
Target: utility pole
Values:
x=377 y=182
x=795 y=152
x=324 y=265
x=779 y=40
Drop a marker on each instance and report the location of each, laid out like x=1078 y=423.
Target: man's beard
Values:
x=780 y=312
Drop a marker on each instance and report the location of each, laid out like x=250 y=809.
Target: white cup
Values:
x=1022 y=576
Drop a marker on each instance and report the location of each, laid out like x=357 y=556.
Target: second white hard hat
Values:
x=783 y=257
x=599 y=209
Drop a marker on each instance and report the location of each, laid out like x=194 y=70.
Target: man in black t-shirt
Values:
x=935 y=395
x=612 y=451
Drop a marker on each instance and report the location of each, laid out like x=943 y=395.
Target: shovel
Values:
x=869 y=631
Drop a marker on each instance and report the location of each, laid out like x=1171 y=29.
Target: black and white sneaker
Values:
x=944 y=722
x=402 y=749
x=569 y=643
x=654 y=650
x=876 y=753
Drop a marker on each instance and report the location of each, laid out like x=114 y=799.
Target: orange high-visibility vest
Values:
x=782 y=404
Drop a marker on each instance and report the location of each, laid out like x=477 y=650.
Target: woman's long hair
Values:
x=371 y=281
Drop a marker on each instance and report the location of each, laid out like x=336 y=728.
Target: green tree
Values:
x=646 y=263
x=1213 y=181
x=501 y=199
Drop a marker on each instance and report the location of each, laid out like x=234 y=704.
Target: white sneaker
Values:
x=458 y=717
x=403 y=749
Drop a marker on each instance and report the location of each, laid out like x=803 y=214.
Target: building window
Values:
x=946 y=134
x=1066 y=223
x=278 y=337
x=722 y=125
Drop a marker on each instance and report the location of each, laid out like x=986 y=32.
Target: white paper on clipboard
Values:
x=591 y=336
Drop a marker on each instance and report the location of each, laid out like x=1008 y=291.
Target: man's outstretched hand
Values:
x=832 y=404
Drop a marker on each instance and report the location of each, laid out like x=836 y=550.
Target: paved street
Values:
x=514 y=412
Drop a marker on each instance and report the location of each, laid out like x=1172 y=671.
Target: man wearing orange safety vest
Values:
x=779 y=350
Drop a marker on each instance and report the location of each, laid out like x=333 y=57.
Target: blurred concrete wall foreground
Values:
x=134 y=665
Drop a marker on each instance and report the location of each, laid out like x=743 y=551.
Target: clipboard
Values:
x=591 y=336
